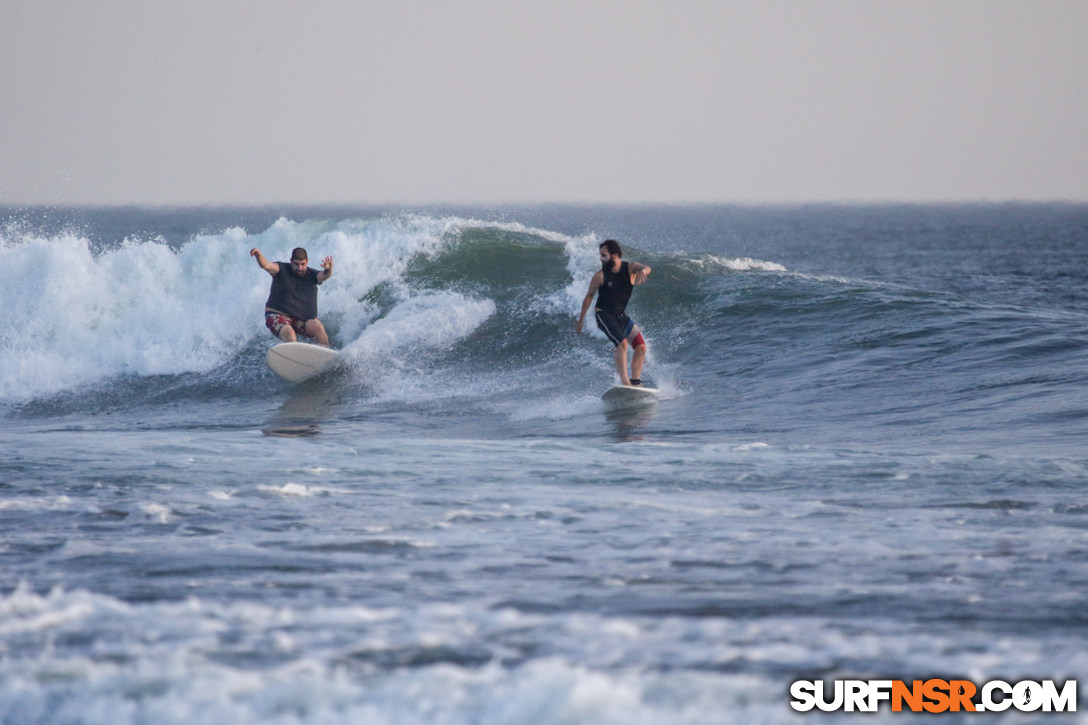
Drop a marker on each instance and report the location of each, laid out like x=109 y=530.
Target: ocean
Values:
x=868 y=461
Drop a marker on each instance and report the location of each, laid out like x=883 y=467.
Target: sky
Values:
x=518 y=101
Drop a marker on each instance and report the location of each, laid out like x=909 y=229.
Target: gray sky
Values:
x=252 y=101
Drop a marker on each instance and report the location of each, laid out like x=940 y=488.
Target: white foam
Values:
x=558 y=408
x=172 y=663
x=75 y=316
x=156 y=512
x=583 y=261
x=90 y=658
x=386 y=354
x=299 y=490
x=28 y=503
x=740 y=264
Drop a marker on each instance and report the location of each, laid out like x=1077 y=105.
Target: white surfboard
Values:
x=629 y=396
x=299 y=361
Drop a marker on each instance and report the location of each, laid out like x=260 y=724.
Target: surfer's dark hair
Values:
x=299 y=253
x=612 y=246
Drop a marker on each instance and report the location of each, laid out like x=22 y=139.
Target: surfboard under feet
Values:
x=629 y=396
x=299 y=361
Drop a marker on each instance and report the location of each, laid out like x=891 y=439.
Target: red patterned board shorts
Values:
x=275 y=321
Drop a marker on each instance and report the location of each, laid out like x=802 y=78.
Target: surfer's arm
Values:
x=271 y=267
x=639 y=272
x=326 y=270
x=594 y=284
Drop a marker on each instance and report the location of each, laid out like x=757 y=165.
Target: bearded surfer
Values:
x=613 y=285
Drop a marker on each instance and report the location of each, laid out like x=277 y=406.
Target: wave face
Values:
x=842 y=327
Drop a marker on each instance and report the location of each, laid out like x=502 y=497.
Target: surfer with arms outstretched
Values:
x=291 y=309
x=612 y=285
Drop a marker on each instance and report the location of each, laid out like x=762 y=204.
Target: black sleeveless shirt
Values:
x=615 y=290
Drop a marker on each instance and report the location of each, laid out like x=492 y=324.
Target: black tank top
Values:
x=615 y=291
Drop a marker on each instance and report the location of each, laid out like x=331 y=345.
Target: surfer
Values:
x=613 y=285
x=291 y=308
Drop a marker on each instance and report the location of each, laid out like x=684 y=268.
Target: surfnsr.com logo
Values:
x=933 y=695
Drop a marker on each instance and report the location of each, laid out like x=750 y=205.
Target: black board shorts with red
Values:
x=616 y=326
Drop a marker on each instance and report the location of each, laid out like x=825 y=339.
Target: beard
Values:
x=607 y=266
